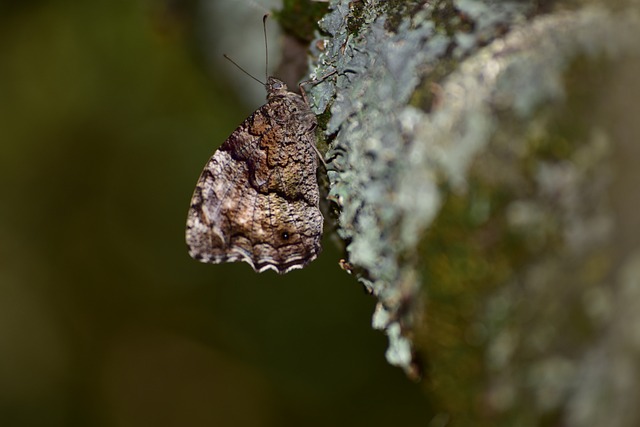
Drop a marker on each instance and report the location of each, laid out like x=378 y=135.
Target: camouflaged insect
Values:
x=257 y=198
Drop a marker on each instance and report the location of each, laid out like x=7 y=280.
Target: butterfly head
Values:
x=275 y=87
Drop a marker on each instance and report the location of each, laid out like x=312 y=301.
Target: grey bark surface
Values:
x=482 y=159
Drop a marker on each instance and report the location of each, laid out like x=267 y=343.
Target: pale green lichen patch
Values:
x=385 y=195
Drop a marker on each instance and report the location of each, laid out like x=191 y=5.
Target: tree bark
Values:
x=482 y=158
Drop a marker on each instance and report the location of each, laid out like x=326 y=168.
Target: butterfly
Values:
x=257 y=199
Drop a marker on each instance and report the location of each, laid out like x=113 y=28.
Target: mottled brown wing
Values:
x=257 y=198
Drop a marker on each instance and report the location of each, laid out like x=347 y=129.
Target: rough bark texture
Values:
x=482 y=165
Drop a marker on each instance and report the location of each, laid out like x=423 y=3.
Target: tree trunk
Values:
x=482 y=165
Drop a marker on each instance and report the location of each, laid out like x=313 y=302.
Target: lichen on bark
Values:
x=474 y=156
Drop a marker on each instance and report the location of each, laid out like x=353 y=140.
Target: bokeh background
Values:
x=108 y=111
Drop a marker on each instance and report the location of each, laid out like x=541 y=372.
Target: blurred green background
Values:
x=107 y=115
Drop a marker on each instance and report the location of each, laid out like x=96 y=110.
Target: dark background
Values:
x=108 y=112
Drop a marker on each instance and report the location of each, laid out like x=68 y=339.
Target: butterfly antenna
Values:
x=266 y=47
x=242 y=69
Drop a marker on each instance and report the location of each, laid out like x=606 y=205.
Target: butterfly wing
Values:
x=257 y=197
